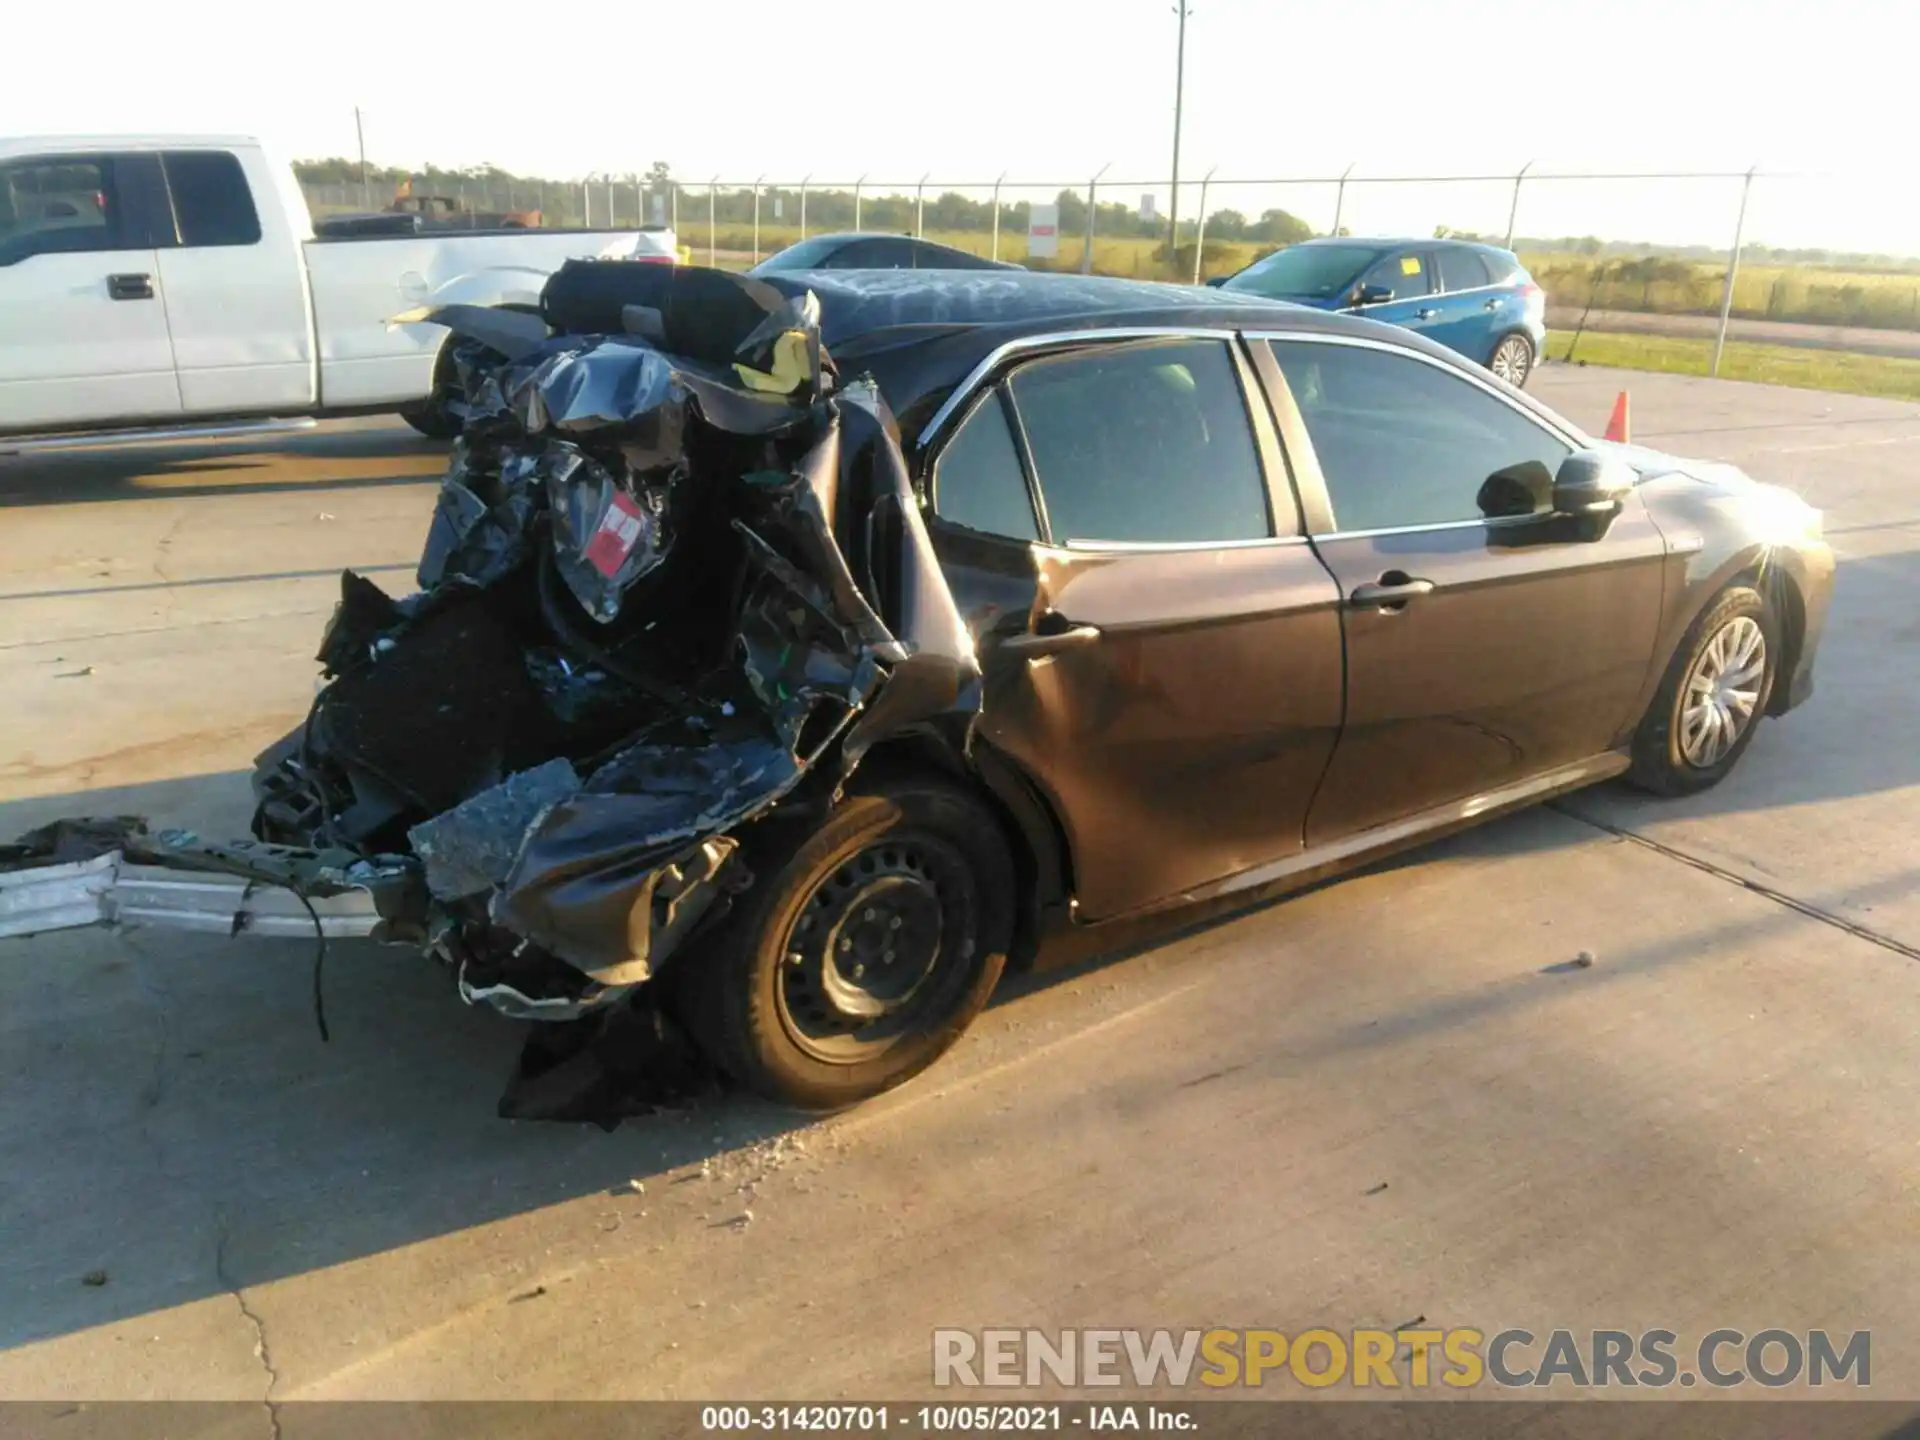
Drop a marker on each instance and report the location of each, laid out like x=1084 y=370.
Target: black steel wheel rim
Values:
x=879 y=950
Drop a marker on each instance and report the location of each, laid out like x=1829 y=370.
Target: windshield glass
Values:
x=805 y=255
x=1317 y=271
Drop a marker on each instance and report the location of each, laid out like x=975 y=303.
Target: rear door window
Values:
x=1462 y=270
x=1142 y=444
x=60 y=205
x=1501 y=267
x=212 y=202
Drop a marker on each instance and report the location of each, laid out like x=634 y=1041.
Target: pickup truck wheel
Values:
x=862 y=951
x=432 y=418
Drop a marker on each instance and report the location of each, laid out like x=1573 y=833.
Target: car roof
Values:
x=851 y=235
x=923 y=331
x=1390 y=242
x=858 y=303
x=33 y=145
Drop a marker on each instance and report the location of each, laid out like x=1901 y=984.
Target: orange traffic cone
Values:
x=1617 y=426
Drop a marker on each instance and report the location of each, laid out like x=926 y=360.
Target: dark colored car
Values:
x=786 y=664
x=863 y=251
x=1473 y=298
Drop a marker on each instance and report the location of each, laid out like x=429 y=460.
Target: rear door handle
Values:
x=1425 y=314
x=130 y=287
x=1033 y=646
x=1392 y=592
x=1494 y=304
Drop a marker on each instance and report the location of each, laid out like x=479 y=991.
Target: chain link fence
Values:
x=1693 y=229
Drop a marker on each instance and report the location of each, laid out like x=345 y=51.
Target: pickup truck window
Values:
x=212 y=204
x=58 y=205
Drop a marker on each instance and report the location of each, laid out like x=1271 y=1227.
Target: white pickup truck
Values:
x=167 y=282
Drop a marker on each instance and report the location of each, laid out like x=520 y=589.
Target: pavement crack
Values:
x=154 y=992
x=1745 y=882
x=262 y=1351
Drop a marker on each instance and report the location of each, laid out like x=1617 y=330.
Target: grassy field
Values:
x=1895 y=378
x=1805 y=294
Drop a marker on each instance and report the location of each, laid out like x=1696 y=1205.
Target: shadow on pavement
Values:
x=171 y=1117
x=332 y=459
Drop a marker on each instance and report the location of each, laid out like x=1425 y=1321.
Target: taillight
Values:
x=1532 y=296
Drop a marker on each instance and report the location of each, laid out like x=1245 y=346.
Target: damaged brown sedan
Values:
x=790 y=651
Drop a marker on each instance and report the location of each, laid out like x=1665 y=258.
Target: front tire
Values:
x=1512 y=359
x=432 y=418
x=1712 y=697
x=862 y=952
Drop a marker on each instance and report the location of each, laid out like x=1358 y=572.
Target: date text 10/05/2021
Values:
x=942 y=1419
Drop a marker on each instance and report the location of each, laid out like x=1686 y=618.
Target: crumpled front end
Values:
x=676 y=574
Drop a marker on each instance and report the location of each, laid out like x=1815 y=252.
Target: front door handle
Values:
x=1425 y=314
x=1391 y=592
x=1034 y=645
x=130 y=287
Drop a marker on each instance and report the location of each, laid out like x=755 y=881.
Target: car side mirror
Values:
x=1372 y=294
x=1216 y=281
x=1592 y=486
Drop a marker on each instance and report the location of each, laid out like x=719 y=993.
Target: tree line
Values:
x=827 y=209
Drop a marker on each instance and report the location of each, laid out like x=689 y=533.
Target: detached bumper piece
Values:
x=74 y=874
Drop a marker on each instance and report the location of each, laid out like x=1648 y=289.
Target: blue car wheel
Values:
x=1512 y=359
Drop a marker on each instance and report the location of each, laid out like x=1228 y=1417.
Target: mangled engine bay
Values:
x=676 y=576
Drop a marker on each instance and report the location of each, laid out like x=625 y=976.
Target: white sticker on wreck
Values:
x=619 y=530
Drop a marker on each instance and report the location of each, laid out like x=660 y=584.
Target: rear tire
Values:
x=1711 y=699
x=1512 y=359
x=865 y=947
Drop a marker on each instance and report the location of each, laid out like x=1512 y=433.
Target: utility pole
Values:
x=360 y=134
x=1179 y=86
x=1733 y=273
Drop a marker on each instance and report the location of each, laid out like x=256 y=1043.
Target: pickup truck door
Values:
x=236 y=287
x=83 y=315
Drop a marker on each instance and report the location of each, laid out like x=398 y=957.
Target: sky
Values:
x=1051 y=90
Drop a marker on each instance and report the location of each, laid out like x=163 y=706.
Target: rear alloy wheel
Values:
x=861 y=953
x=1513 y=360
x=1712 y=697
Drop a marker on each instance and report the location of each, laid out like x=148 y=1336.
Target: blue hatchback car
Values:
x=1477 y=299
